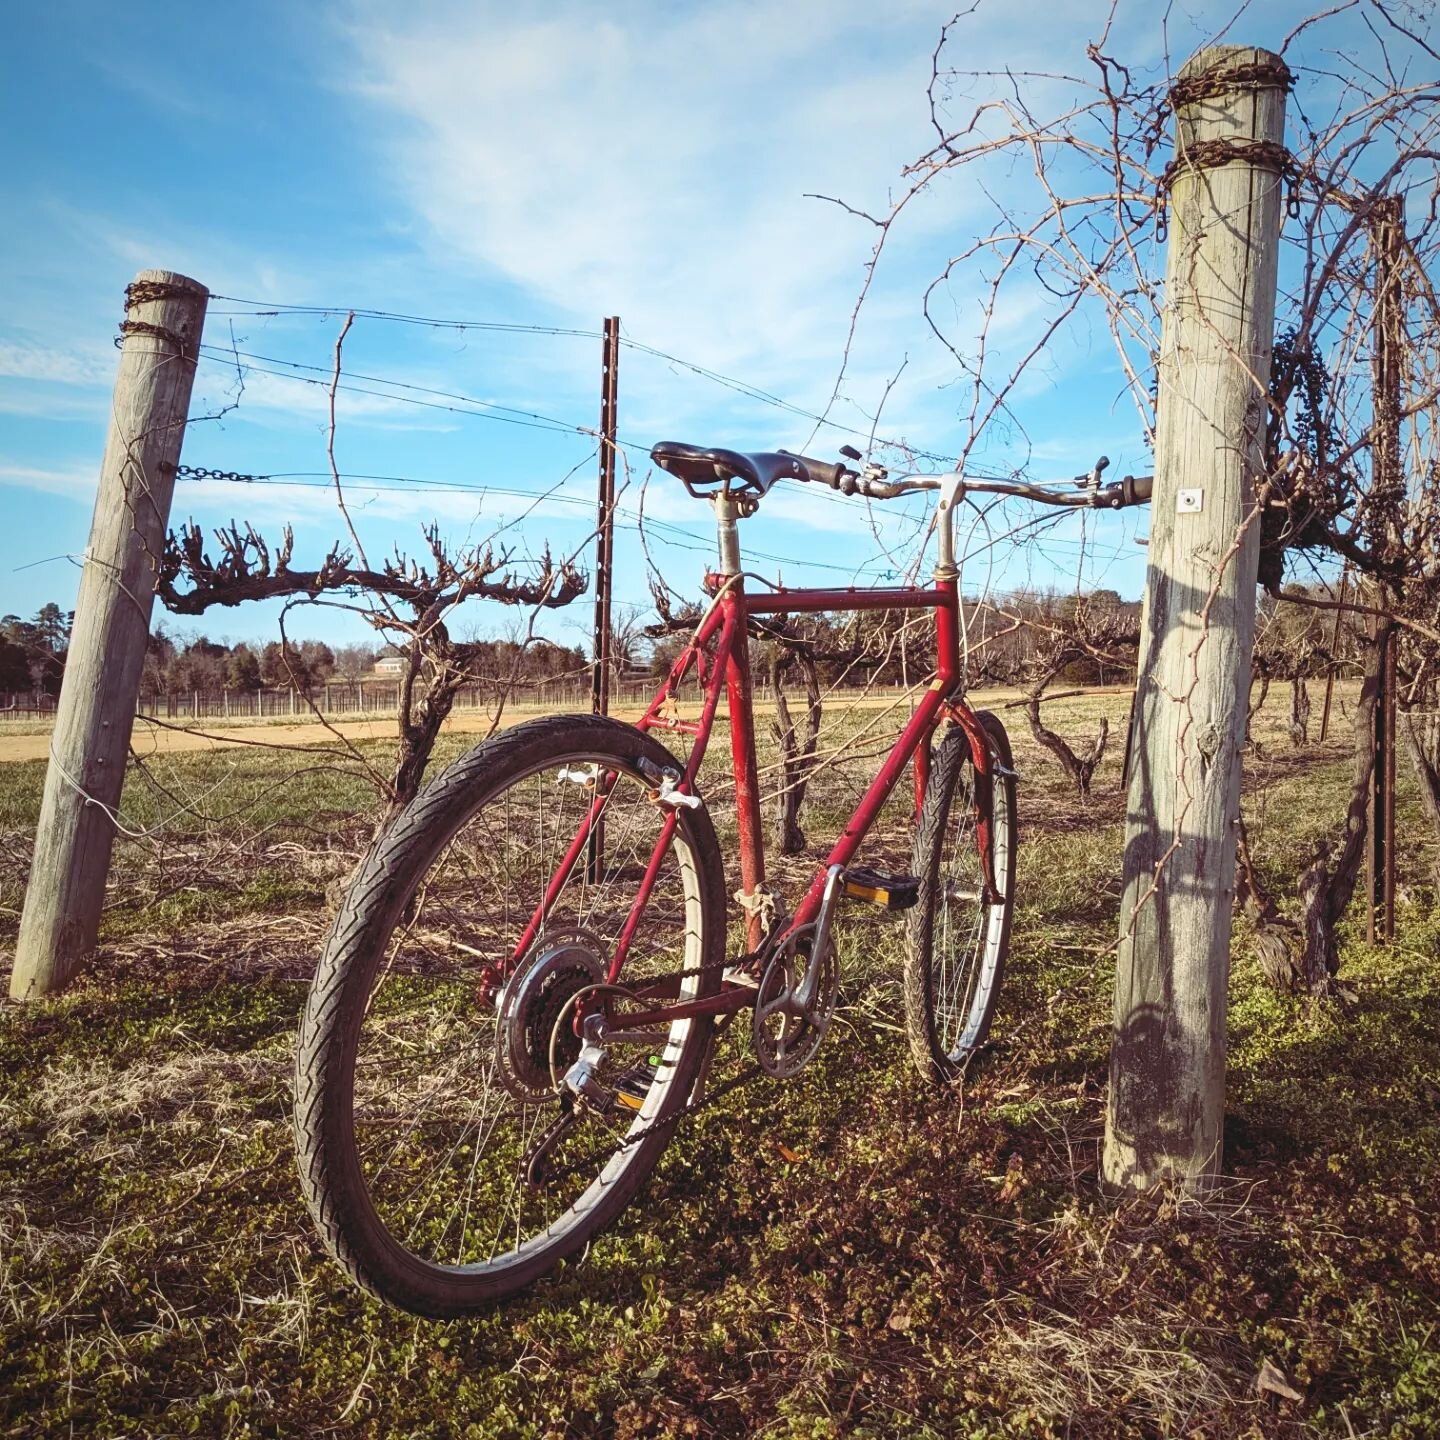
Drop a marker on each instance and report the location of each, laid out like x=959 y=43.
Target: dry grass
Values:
x=931 y=1264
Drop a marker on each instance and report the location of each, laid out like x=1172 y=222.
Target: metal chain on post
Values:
x=1211 y=154
x=199 y=472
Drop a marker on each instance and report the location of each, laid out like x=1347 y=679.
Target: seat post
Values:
x=727 y=511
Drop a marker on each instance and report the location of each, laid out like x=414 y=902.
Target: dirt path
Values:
x=151 y=738
x=160 y=739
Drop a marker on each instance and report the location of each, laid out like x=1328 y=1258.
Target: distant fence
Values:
x=340 y=697
x=382 y=697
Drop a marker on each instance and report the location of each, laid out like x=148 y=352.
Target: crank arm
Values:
x=805 y=990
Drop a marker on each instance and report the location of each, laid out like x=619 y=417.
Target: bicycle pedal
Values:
x=889 y=892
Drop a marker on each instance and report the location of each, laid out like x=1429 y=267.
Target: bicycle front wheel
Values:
x=441 y=1168
x=958 y=936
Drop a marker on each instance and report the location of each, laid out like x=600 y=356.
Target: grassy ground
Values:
x=852 y=1253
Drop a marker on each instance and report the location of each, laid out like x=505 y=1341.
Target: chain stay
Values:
x=572 y=1111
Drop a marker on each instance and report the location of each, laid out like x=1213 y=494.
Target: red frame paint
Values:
x=720 y=656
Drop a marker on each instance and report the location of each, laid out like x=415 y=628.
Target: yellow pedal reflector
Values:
x=890 y=892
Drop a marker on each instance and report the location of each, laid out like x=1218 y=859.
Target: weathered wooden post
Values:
x=1167 y=1069
x=164 y=314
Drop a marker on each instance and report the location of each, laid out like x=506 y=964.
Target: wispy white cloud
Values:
x=654 y=163
x=26 y=360
x=73 y=482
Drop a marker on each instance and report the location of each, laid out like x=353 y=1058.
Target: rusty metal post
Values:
x=1387 y=487
x=604 y=561
x=605 y=520
x=1373 y=807
x=1387 y=813
x=1380 y=841
x=1333 y=665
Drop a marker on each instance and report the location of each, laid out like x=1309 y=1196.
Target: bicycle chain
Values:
x=692 y=1107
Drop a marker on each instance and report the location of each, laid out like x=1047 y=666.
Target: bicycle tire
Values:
x=957 y=944
x=381 y=987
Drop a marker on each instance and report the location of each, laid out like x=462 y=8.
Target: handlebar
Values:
x=872 y=483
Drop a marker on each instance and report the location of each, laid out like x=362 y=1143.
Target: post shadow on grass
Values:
x=1167 y=1067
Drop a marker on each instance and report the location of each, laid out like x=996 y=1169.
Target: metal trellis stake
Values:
x=605 y=520
x=1387 y=488
x=604 y=556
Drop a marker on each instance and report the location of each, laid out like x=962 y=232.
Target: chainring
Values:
x=786 y=1035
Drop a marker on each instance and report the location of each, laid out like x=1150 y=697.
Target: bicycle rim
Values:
x=450 y=1077
x=959 y=938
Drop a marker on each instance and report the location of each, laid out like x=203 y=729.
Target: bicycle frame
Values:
x=720 y=656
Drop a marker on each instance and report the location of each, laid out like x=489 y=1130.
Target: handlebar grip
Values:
x=821 y=472
x=1132 y=490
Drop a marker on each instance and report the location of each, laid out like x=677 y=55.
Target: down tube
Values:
x=914 y=735
x=742 y=754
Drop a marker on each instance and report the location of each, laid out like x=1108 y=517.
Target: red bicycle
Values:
x=518 y=999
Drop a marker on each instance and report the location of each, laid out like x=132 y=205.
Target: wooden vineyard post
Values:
x=1166 y=1101
x=164 y=315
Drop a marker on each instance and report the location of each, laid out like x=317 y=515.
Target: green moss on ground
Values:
x=852 y=1253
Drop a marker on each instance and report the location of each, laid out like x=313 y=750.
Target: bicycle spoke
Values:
x=442 y=1140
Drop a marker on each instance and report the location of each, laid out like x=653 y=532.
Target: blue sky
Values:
x=529 y=166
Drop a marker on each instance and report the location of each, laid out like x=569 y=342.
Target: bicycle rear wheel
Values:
x=441 y=1168
x=958 y=939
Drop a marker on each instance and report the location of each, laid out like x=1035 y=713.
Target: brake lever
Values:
x=1091 y=481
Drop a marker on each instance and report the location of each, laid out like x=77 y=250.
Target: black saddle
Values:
x=703 y=471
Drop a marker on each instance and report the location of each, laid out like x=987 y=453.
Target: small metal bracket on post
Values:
x=1189 y=502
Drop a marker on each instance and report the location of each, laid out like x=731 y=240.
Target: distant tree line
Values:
x=177 y=666
x=32 y=660
x=32 y=652
x=1006 y=638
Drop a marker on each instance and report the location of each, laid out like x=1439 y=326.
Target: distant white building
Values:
x=390 y=665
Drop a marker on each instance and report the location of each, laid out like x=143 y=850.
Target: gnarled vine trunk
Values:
x=1299 y=711
x=797 y=756
x=1079 y=767
x=1325 y=889
x=1422 y=740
